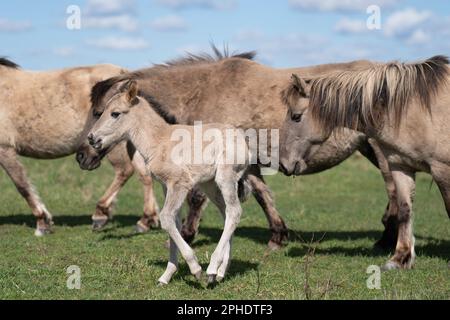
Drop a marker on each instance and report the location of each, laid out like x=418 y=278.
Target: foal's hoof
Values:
x=198 y=275
x=141 y=228
x=162 y=283
x=99 y=224
x=211 y=279
x=219 y=278
x=40 y=232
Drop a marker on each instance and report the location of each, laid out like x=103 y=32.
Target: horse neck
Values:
x=146 y=131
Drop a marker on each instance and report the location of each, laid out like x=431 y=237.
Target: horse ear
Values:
x=301 y=84
x=132 y=90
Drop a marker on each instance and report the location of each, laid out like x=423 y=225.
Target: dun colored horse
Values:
x=45 y=115
x=403 y=107
x=129 y=117
x=238 y=91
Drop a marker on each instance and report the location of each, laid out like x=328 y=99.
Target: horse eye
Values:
x=97 y=114
x=115 y=115
x=297 y=117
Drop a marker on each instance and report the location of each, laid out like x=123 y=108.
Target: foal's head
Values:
x=114 y=123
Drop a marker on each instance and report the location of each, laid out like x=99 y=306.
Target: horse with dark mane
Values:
x=235 y=90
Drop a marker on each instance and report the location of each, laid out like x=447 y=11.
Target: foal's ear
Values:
x=132 y=91
x=302 y=85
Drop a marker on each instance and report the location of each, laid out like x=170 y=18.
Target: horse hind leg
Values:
x=264 y=197
x=17 y=173
x=197 y=202
x=404 y=255
x=372 y=151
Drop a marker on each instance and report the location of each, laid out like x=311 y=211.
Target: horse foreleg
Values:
x=123 y=171
x=264 y=197
x=169 y=214
x=151 y=209
x=404 y=251
x=441 y=174
x=389 y=238
x=17 y=173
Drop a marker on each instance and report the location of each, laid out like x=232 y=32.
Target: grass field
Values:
x=343 y=206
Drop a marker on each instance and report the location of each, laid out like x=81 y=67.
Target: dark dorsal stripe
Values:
x=158 y=107
x=8 y=63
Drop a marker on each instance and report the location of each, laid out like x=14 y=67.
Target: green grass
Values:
x=344 y=205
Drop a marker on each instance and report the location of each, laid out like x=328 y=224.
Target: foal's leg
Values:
x=389 y=220
x=174 y=200
x=172 y=265
x=123 y=171
x=404 y=252
x=265 y=199
x=229 y=189
x=17 y=173
x=197 y=202
x=215 y=195
x=150 y=217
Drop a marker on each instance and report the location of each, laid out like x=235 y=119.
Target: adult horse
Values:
x=237 y=91
x=404 y=107
x=44 y=115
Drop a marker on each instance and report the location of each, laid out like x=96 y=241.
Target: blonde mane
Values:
x=358 y=99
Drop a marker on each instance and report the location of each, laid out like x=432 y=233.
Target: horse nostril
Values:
x=80 y=156
x=91 y=139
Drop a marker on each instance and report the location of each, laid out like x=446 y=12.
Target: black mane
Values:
x=8 y=63
x=101 y=88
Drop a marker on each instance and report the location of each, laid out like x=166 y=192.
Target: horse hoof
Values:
x=39 y=232
x=219 y=278
x=211 y=279
x=274 y=246
x=390 y=265
x=162 y=283
x=99 y=224
x=141 y=228
x=198 y=275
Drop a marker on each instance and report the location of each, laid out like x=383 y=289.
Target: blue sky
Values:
x=137 y=33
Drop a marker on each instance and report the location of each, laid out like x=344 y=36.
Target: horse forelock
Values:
x=358 y=99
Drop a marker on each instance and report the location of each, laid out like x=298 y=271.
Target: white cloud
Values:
x=339 y=5
x=124 y=22
x=169 y=23
x=347 y=26
x=404 y=23
x=249 y=35
x=14 y=26
x=119 y=43
x=204 y=4
x=109 y=6
x=418 y=37
x=64 y=51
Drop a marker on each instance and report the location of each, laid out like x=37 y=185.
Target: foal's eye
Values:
x=115 y=115
x=297 y=117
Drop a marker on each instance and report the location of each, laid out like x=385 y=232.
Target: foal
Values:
x=129 y=117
